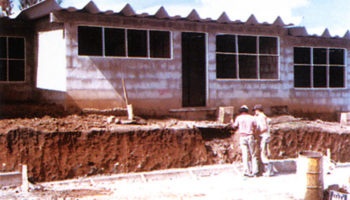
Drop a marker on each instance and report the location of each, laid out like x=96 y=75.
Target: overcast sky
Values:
x=315 y=15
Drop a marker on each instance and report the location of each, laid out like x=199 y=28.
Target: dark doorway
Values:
x=193 y=69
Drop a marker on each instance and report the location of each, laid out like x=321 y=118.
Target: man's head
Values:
x=243 y=109
x=258 y=107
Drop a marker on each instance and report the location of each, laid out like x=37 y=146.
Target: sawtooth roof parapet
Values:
x=91 y=8
x=162 y=13
x=252 y=20
x=347 y=35
x=278 y=22
x=48 y=6
x=224 y=18
x=128 y=11
x=193 y=16
x=326 y=34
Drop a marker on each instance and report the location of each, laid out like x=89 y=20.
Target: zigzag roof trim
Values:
x=91 y=8
x=127 y=11
x=161 y=13
x=224 y=18
x=193 y=16
x=46 y=7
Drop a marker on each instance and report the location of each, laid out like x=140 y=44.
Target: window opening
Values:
x=319 y=67
x=90 y=41
x=114 y=42
x=100 y=41
x=12 y=59
x=159 y=44
x=246 y=57
x=137 y=43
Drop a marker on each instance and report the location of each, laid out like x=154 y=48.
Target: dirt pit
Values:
x=86 y=145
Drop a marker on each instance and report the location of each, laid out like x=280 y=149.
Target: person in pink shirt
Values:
x=245 y=126
x=263 y=130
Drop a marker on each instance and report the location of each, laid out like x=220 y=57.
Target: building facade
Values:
x=91 y=59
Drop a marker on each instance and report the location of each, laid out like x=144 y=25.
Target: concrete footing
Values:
x=15 y=179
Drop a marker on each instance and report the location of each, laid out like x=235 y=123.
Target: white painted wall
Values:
x=51 y=60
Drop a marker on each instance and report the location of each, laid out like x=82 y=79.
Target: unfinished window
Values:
x=226 y=66
x=336 y=76
x=320 y=56
x=89 y=41
x=114 y=42
x=12 y=59
x=159 y=44
x=318 y=67
x=118 y=42
x=247 y=44
x=302 y=74
x=320 y=76
x=247 y=67
x=302 y=55
x=247 y=57
x=226 y=43
x=137 y=43
x=268 y=67
x=268 y=45
x=336 y=56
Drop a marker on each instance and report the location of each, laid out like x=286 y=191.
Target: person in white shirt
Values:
x=245 y=125
x=263 y=130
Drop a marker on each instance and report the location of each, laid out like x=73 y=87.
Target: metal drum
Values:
x=310 y=174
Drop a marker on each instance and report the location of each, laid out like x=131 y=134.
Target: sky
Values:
x=315 y=15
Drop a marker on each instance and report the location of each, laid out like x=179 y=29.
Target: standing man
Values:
x=245 y=125
x=263 y=130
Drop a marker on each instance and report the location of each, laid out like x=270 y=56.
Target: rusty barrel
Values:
x=310 y=174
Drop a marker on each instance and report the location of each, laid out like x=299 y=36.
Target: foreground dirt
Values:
x=210 y=182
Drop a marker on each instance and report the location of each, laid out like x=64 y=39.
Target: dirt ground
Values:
x=223 y=182
x=84 y=137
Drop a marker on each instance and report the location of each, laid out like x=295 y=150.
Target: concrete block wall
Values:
x=155 y=85
x=319 y=100
x=14 y=92
x=152 y=85
x=225 y=92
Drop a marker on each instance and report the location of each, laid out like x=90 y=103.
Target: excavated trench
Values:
x=63 y=155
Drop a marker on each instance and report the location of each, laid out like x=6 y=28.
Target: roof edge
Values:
x=39 y=10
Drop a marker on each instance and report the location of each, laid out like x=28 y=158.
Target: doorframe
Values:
x=206 y=67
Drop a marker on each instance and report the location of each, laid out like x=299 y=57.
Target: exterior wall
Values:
x=224 y=92
x=19 y=91
x=281 y=92
x=154 y=86
x=320 y=100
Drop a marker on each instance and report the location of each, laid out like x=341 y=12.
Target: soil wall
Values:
x=58 y=155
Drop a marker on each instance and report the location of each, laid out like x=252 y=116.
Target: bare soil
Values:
x=58 y=148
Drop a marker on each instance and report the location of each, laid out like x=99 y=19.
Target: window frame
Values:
x=8 y=59
x=311 y=63
x=126 y=56
x=236 y=53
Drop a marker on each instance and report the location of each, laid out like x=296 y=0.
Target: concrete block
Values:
x=10 y=179
x=225 y=114
x=284 y=166
x=345 y=118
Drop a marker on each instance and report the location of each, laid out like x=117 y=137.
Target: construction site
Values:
x=138 y=106
x=94 y=156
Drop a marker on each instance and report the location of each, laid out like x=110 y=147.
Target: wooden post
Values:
x=128 y=106
x=25 y=183
x=125 y=95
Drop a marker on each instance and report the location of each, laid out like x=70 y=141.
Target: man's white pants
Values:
x=249 y=154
